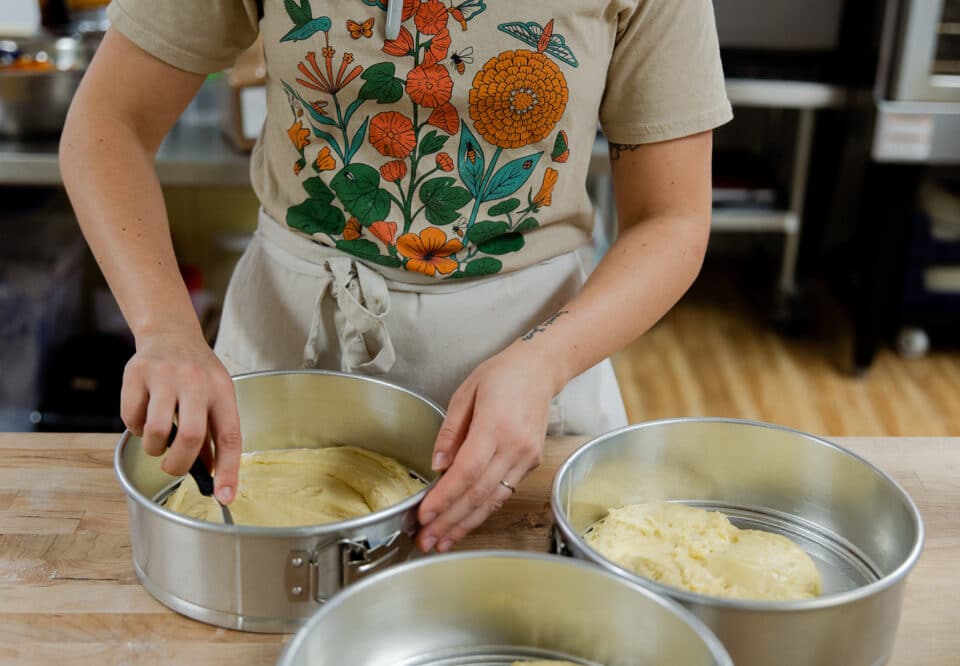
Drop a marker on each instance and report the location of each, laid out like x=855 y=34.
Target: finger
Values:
x=454 y=428
x=467 y=470
x=133 y=402
x=475 y=496
x=225 y=427
x=160 y=409
x=191 y=432
x=494 y=503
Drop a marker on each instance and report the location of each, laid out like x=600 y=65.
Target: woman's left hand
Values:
x=494 y=432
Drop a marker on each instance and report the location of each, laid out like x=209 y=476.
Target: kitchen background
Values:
x=830 y=299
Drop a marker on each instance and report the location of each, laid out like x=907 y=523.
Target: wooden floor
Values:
x=716 y=355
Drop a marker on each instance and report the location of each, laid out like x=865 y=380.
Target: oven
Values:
x=928 y=67
x=917 y=89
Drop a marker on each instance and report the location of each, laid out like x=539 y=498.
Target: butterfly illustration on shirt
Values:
x=358 y=30
x=541 y=38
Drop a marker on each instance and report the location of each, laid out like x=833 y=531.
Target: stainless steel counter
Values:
x=192 y=155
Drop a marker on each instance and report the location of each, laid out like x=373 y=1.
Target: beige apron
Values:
x=293 y=303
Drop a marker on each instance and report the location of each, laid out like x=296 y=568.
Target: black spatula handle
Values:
x=198 y=470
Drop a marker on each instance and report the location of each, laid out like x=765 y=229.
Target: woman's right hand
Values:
x=178 y=373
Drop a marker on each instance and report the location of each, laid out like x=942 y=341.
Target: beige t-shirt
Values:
x=461 y=148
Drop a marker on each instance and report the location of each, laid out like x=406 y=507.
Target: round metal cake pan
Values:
x=861 y=529
x=269 y=579
x=490 y=608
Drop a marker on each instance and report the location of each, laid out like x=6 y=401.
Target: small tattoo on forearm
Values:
x=543 y=327
x=617 y=148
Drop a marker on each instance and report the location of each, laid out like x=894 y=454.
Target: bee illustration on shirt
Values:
x=471 y=152
x=358 y=30
x=460 y=227
x=461 y=59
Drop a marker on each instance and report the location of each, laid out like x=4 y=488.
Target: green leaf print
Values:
x=503 y=244
x=315 y=115
x=511 y=177
x=528 y=224
x=307 y=30
x=315 y=216
x=317 y=189
x=357 y=141
x=358 y=187
x=432 y=143
x=470 y=160
x=504 y=207
x=381 y=84
x=368 y=250
x=442 y=200
x=485 y=230
x=483 y=266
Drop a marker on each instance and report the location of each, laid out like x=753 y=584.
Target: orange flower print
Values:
x=438 y=48
x=517 y=98
x=444 y=162
x=429 y=86
x=325 y=161
x=429 y=252
x=352 y=230
x=445 y=117
x=391 y=133
x=299 y=135
x=384 y=231
x=431 y=17
x=315 y=79
x=401 y=46
x=410 y=8
x=545 y=195
x=393 y=172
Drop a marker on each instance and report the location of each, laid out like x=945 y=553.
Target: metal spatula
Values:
x=204 y=481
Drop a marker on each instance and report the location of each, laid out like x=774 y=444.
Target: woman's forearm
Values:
x=118 y=118
x=641 y=277
x=110 y=178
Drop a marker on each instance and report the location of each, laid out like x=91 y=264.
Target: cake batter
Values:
x=292 y=487
x=701 y=551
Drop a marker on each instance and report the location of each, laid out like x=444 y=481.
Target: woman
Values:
x=422 y=177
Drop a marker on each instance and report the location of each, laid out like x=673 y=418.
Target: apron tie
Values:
x=363 y=302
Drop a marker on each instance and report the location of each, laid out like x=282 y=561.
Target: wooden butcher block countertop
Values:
x=68 y=593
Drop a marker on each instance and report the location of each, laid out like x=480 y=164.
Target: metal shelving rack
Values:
x=806 y=98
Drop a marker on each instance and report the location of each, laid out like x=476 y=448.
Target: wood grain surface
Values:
x=68 y=593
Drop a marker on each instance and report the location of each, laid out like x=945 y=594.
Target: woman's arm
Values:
x=126 y=104
x=496 y=420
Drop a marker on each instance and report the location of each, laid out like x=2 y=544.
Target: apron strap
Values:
x=363 y=301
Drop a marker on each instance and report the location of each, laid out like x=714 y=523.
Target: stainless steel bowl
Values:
x=861 y=529
x=35 y=103
x=491 y=608
x=272 y=579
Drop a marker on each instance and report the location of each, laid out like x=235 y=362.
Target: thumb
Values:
x=454 y=428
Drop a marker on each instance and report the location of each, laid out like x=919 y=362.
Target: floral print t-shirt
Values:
x=460 y=148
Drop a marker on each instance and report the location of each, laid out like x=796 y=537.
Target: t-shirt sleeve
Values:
x=665 y=78
x=199 y=36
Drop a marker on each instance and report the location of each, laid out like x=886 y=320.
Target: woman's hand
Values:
x=494 y=431
x=178 y=373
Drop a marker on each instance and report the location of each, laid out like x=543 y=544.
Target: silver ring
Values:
x=507 y=485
